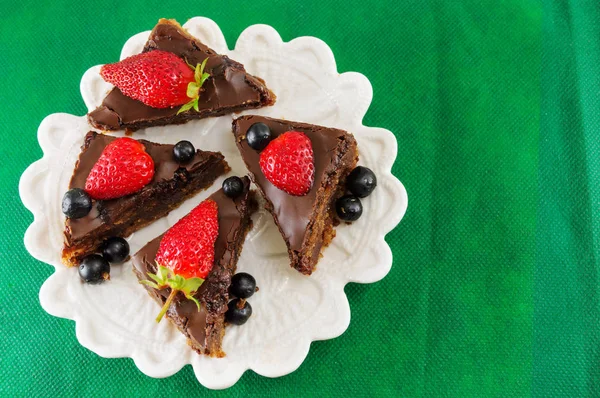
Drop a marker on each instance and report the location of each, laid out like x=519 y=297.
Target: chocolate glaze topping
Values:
x=228 y=89
x=293 y=212
x=165 y=169
x=213 y=294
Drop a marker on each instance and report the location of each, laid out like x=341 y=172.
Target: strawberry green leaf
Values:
x=191 y=285
x=155 y=278
x=186 y=107
x=192 y=67
x=151 y=284
x=176 y=282
x=203 y=78
x=193 y=90
x=202 y=66
x=160 y=277
x=197 y=72
x=195 y=300
x=163 y=273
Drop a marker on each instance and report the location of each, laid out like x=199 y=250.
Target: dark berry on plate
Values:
x=238 y=312
x=348 y=208
x=233 y=187
x=361 y=181
x=243 y=285
x=259 y=135
x=115 y=249
x=183 y=152
x=94 y=269
x=76 y=203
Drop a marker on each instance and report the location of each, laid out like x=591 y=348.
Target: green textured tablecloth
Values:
x=496 y=108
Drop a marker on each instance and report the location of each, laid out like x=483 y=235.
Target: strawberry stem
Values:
x=194 y=87
x=167 y=304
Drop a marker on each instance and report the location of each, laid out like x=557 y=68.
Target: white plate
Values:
x=116 y=319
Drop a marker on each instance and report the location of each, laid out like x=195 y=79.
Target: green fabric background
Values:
x=495 y=105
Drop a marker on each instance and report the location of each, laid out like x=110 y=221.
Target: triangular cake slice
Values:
x=228 y=89
x=171 y=185
x=305 y=222
x=205 y=328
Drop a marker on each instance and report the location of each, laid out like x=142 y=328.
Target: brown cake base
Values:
x=171 y=186
x=305 y=222
x=204 y=329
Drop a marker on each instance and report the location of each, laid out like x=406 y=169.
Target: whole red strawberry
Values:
x=123 y=168
x=159 y=79
x=288 y=163
x=187 y=253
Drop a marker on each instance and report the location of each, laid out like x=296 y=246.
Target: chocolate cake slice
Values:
x=305 y=222
x=172 y=184
x=228 y=89
x=205 y=328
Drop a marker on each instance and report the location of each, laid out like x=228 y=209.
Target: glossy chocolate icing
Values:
x=229 y=87
x=293 y=212
x=165 y=169
x=204 y=326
